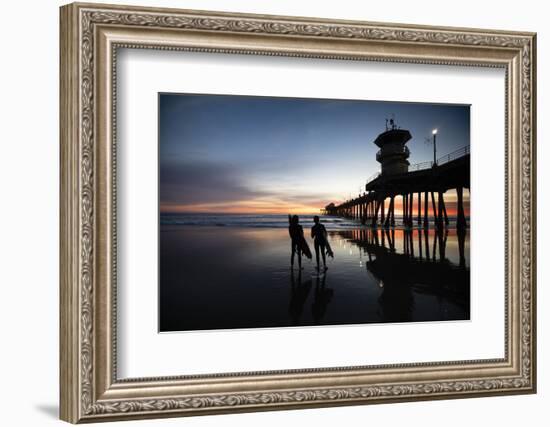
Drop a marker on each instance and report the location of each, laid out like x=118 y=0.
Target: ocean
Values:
x=264 y=221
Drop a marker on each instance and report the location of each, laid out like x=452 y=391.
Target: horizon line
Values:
x=273 y=213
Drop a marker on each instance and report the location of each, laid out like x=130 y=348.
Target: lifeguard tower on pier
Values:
x=393 y=153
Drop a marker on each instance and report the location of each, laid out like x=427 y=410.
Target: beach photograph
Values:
x=305 y=212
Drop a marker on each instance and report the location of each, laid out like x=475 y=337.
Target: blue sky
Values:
x=277 y=155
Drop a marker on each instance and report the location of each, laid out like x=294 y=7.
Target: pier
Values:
x=423 y=184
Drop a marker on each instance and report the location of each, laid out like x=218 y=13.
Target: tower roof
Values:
x=393 y=135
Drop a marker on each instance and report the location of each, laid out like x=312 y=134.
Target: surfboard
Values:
x=304 y=247
x=328 y=248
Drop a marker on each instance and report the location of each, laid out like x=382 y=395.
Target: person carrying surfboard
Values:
x=298 y=243
x=320 y=240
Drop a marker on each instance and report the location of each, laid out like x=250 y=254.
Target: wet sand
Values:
x=231 y=277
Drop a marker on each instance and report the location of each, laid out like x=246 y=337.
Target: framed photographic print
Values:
x=264 y=212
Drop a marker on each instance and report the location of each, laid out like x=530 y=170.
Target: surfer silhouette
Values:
x=297 y=241
x=320 y=240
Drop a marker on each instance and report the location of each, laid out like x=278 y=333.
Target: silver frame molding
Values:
x=90 y=37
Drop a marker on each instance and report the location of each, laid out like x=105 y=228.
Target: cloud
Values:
x=208 y=186
x=199 y=181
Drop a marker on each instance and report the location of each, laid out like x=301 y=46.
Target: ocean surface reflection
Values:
x=231 y=277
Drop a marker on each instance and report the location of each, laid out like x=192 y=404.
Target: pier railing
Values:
x=442 y=160
x=428 y=165
x=454 y=155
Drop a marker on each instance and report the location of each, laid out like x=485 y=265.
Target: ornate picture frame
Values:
x=90 y=37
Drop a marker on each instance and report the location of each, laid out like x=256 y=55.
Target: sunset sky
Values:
x=237 y=154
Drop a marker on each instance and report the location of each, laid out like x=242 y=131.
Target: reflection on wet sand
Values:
x=420 y=266
x=323 y=296
x=376 y=276
x=427 y=271
x=299 y=294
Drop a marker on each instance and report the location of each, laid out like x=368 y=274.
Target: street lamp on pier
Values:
x=434 y=133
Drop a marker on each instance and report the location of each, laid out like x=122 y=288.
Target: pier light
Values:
x=434 y=133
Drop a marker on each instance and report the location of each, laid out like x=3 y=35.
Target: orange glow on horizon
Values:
x=277 y=206
x=247 y=207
